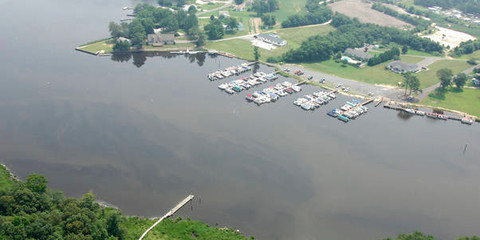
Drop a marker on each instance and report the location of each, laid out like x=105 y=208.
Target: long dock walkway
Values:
x=169 y=213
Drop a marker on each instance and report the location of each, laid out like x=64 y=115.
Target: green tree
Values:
x=407 y=78
x=404 y=49
x=412 y=236
x=414 y=84
x=232 y=24
x=116 y=30
x=121 y=46
x=214 y=29
x=445 y=76
x=256 y=53
x=201 y=39
x=460 y=80
x=113 y=227
x=37 y=183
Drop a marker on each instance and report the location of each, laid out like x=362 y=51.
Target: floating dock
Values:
x=169 y=213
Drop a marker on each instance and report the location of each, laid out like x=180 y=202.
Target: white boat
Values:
x=296 y=88
x=420 y=113
x=409 y=110
x=468 y=121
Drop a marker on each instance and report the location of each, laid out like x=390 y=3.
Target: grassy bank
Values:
x=294 y=36
x=465 y=100
x=429 y=77
x=373 y=75
x=98 y=46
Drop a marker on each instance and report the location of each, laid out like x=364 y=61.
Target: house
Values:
x=121 y=39
x=403 y=67
x=224 y=13
x=272 y=39
x=358 y=54
x=158 y=39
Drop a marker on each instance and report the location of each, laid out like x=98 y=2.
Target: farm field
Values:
x=363 y=11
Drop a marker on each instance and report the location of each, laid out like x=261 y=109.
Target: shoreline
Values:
x=229 y=55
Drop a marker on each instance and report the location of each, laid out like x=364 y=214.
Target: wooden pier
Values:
x=169 y=213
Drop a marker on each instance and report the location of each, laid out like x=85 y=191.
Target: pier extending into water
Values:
x=169 y=213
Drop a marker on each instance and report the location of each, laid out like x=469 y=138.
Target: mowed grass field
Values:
x=465 y=100
x=429 y=77
x=288 y=8
x=374 y=75
x=294 y=36
x=98 y=46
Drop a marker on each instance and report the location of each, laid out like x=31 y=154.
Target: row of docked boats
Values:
x=273 y=93
x=465 y=120
x=351 y=110
x=230 y=71
x=314 y=101
x=247 y=82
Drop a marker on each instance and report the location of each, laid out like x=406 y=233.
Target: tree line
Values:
x=149 y=18
x=265 y=6
x=29 y=210
x=419 y=23
x=393 y=53
x=351 y=33
x=467 y=47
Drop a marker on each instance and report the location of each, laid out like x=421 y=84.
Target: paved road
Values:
x=355 y=86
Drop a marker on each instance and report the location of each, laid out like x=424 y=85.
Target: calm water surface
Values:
x=143 y=132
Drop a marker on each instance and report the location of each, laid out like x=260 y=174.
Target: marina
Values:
x=247 y=82
x=273 y=93
x=230 y=71
x=350 y=110
x=314 y=101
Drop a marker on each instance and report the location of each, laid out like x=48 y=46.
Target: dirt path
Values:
x=255 y=25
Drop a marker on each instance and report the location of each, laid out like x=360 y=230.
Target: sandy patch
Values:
x=449 y=37
x=364 y=12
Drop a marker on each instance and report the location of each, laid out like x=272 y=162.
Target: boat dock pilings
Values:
x=169 y=213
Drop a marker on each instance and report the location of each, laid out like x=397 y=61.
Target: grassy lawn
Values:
x=98 y=46
x=211 y=6
x=429 y=77
x=294 y=36
x=466 y=100
x=289 y=7
x=418 y=53
x=175 y=229
x=5 y=181
x=173 y=46
x=475 y=55
x=410 y=59
x=374 y=75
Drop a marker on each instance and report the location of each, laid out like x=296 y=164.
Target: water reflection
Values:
x=139 y=58
x=404 y=115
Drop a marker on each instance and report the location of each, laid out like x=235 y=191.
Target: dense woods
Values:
x=351 y=34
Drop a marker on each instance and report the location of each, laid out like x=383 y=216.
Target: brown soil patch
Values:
x=364 y=12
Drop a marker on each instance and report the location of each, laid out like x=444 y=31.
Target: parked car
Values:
x=310 y=78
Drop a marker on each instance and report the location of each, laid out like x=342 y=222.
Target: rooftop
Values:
x=359 y=53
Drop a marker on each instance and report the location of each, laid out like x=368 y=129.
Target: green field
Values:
x=429 y=77
x=294 y=36
x=98 y=46
x=465 y=100
x=289 y=7
x=5 y=181
x=374 y=75
x=475 y=55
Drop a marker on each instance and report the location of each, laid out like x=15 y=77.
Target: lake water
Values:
x=144 y=131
